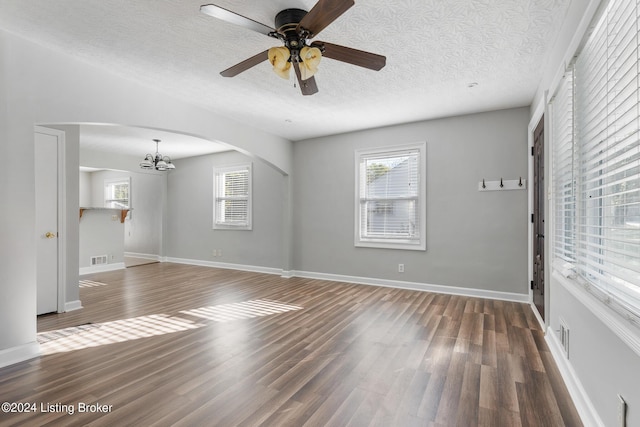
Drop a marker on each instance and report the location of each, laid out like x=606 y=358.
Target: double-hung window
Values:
x=390 y=197
x=232 y=197
x=597 y=163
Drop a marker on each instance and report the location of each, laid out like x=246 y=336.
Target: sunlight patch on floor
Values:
x=94 y=335
x=241 y=310
x=90 y=284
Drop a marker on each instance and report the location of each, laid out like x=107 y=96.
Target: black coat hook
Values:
x=483 y=184
x=501 y=184
x=520 y=182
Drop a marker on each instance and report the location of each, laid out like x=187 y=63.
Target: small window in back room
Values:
x=117 y=193
x=232 y=197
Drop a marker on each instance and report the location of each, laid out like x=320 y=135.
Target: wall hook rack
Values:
x=502 y=184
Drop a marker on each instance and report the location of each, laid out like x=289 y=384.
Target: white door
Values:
x=46 y=180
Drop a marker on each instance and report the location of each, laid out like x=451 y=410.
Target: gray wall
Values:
x=474 y=239
x=143 y=229
x=604 y=364
x=190 y=214
x=101 y=234
x=85 y=189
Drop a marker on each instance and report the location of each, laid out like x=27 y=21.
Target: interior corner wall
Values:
x=190 y=233
x=475 y=239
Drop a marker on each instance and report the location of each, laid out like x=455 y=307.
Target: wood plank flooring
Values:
x=169 y=344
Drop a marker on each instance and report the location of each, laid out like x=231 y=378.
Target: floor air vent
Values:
x=98 y=260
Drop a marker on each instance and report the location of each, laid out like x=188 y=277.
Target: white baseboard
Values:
x=19 y=353
x=72 y=305
x=242 y=267
x=535 y=313
x=152 y=257
x=101 y=268
x=581 y=400
x=451 y=290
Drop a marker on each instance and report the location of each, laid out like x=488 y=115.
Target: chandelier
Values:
x=159 y=162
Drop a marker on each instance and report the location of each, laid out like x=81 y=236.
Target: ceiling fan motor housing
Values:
x=286 y=26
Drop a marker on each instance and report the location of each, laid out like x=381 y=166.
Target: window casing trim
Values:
x=223 y=170
x=419 y=198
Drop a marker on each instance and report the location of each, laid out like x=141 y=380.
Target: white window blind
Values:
x=390 y=198
x=232 y=197
x=607 y=116
x=562 y=167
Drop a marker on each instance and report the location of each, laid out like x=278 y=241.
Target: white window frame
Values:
x=108 y=185
x=600 y=259
x=360 y=240
x=219 y=173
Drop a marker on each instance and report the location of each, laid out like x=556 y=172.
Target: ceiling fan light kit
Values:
x=295 y=28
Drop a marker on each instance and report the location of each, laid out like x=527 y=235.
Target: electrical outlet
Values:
x=400 y=268
x=622 y=412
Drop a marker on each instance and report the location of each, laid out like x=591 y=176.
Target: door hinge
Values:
x=532 y=285
x=532 y=151
x=532 y=219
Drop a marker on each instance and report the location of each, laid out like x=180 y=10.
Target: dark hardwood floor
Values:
x=169 y=344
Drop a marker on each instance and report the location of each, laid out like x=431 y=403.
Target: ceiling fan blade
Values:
x=245 y=65
x=323 y=14
x=307 y=87
x=234 y=18
x=361 y=58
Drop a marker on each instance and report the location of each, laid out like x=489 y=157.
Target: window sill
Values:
x=232 y=227
x=391 y=245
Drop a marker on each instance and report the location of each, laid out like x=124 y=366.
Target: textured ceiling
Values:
x=435 y=49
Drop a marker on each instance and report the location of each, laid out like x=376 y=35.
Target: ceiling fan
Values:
x=295 y=28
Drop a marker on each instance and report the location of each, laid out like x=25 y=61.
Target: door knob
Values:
x=50 y=235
